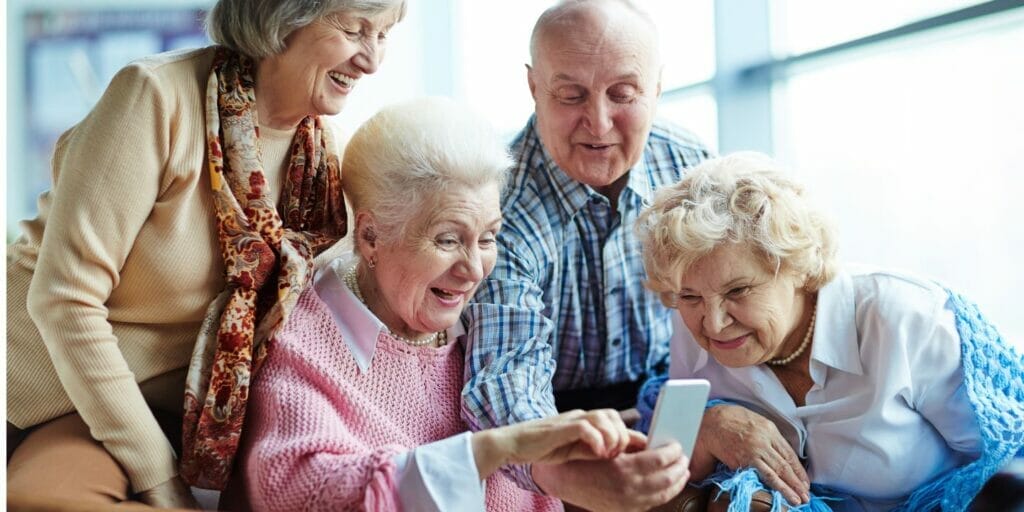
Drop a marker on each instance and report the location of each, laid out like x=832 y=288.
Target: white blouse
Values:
x=887 y=411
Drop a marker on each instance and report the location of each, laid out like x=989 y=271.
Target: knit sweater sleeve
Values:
x=107 y=177
x=304 y=453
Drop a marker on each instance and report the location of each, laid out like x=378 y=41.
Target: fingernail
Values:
x=807 y=498
x=793 y=499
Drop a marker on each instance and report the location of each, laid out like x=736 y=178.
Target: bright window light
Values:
x=807 y=25
x=492 y=67
x=916 y=152
x=697 y=113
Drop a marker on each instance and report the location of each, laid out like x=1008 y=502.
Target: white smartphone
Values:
x=678 y=412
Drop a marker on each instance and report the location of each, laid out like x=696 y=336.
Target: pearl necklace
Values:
x=803 y=346
x=438 y=338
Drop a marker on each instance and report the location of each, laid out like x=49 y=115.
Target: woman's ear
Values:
x=366 y=239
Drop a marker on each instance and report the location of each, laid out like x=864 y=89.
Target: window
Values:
x=697 y=112
x=493 y=47
x=62 y=63
x=807 y=25
x=491 y=59
x=686 y=32
x=914 y=147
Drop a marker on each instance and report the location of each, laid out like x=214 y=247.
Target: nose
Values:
x=471 y=267
x=597 y=119
x=716 y=318
x=368 y=59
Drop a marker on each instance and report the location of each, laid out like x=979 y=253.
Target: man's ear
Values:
x=533 y=84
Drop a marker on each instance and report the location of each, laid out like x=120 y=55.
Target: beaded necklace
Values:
x=803 y=346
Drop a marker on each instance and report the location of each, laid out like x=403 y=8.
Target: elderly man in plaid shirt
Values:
x=564 y=321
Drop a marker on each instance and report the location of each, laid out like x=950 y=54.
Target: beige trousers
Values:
x=59 y=462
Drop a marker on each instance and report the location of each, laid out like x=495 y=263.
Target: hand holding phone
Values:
x=678 y=412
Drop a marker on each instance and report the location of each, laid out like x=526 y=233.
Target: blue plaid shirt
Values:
x=565 y=307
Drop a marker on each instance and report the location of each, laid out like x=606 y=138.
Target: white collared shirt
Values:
x=887 y=411
x=439 y=476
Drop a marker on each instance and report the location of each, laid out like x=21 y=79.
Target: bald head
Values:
x=595 y=80
x=590 y=21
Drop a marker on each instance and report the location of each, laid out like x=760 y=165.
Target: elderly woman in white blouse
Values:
x=859 y=368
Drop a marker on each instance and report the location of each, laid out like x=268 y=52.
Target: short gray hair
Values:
x=743 y=198
x=412 y=152
x=566 y=12
x=258 y=28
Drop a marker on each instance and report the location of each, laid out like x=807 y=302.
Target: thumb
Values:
x=637 y=441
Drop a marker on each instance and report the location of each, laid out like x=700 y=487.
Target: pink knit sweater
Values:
x=322 y=434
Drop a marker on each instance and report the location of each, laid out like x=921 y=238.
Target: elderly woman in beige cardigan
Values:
x=200 y=175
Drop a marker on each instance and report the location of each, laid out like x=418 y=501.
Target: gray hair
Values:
x=569 y=12
x=742 y=198
x=410 y=153
x=258 y=28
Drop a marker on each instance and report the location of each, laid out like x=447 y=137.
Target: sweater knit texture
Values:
x=108 y=285
x=322 y=435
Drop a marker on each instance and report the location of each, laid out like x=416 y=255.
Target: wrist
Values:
x=488 y=451
x=702 y=462
x=545 y=478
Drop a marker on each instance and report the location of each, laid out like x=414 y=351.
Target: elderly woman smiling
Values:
x=892 y=390
x=357 y=406
x=201 y=185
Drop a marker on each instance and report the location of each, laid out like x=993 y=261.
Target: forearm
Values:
x=482 y=413
x=97 y=379
x=509 y=362
x=702 y=462
x=560 y=481
x=549 y=477
x=490 y=451
x=303 y=476
x=506 y=382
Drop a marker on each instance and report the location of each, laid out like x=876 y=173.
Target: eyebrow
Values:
x=563 y=77
x=726 y=286
x=458 y=222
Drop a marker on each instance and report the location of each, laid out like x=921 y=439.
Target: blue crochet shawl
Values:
x=994 y=378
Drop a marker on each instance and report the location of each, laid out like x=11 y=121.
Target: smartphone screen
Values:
x=678 y=412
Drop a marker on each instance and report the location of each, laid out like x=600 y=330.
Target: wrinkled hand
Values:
x=174 y=493
x=739 y=438
x=573 y=435
x=632 y=481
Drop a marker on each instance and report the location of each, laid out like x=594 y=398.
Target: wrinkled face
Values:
x=740 y=312
x=595 y=93
x=326 y=58
x=426 y=279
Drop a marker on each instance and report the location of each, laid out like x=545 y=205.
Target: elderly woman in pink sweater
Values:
x=357 y=404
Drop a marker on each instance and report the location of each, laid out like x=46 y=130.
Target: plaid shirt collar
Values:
x=573 y=195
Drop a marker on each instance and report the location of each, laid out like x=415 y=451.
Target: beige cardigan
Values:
x=118 y=268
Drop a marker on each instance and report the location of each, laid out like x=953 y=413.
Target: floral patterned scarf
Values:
x=268 y=260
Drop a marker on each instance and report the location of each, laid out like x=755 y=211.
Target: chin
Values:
x=331 y=109
x=733 y=362
x=441 y=324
